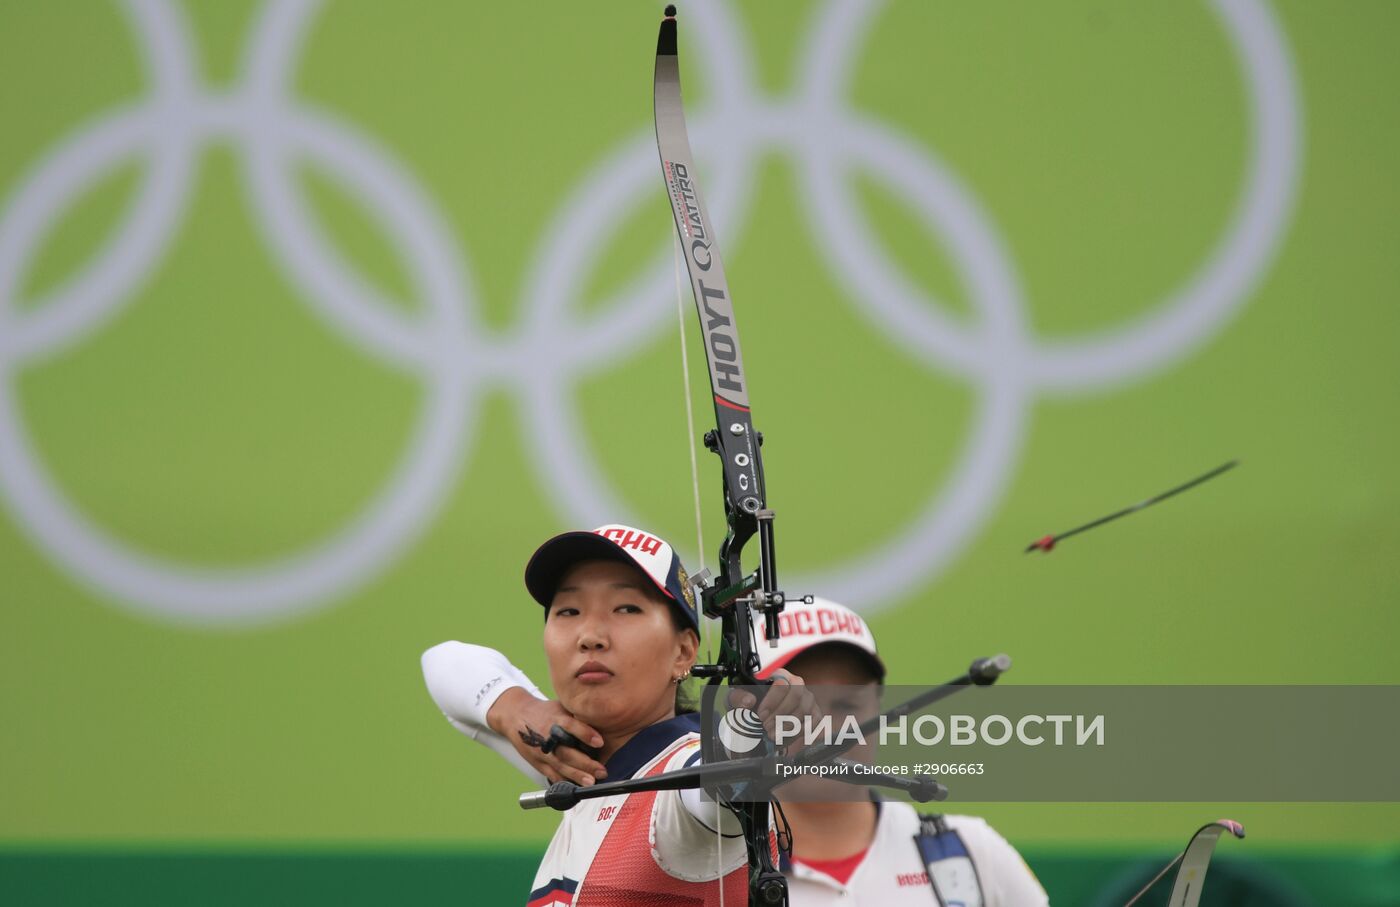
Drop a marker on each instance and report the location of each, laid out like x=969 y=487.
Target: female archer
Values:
x=620 y=635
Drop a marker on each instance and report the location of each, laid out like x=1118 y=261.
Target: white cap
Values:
x=802 y=626
x=651 y=553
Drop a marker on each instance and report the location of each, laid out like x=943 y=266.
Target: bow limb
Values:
x=1194 y=860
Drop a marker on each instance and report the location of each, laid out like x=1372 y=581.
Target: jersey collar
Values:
x=648 y=743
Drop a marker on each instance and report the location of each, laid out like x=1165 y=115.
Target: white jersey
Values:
x=893 y=873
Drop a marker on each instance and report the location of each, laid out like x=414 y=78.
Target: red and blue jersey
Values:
x=642 y=848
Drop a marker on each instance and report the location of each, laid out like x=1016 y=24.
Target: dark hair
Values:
x=685 y=703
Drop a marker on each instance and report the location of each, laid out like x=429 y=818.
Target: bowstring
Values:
x=690 y=431
x=699 y=530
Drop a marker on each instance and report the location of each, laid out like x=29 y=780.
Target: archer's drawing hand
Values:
x=525 y=721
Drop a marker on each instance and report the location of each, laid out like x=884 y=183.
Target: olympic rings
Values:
x=447 y=348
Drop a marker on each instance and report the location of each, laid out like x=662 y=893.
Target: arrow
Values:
x=1047 y=543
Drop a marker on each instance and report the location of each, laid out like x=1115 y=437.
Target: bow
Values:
x=1186 y=888
x=733 y=596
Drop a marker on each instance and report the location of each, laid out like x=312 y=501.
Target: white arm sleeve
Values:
x=465 y=681
x=687 y=828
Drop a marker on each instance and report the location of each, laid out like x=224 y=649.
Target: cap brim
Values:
x=554 y=558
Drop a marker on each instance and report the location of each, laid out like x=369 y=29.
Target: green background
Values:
x=216 y=421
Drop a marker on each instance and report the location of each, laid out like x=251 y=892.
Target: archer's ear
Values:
x=690 y=646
